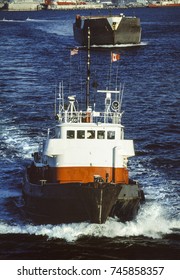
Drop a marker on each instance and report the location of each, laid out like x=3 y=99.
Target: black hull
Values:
x=128 y=32
x=76 y=202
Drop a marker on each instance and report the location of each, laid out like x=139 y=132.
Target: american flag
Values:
x=74 y=51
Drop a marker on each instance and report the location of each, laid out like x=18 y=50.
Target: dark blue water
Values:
x=34 y=57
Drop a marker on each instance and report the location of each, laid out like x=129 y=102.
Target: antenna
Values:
x=122 y=92
x=55 y=102
x=88 y=70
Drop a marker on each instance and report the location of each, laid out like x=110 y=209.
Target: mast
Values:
x=88 y=71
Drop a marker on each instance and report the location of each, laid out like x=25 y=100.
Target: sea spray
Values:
x=151 y=222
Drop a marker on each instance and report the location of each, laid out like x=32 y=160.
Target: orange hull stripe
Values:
x=86 y=174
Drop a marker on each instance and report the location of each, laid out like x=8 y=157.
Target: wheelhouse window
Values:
x=100 y=134
x=90 y=134
x=70 y=134
x=80 y=134
x=111 y=135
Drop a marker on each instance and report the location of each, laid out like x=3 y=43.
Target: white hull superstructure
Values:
x=84 y=147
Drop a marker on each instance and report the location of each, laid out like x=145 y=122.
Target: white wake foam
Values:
x=151 y=222
x=12 y=20
x=120 y=45
x=60 y=28
x=38 y=20
x=21 y=144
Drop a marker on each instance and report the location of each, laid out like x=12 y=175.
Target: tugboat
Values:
x=80 y=171
x=107 y=30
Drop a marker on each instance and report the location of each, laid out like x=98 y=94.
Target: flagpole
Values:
x=70 y=74
x=81 y=80
x=88 y=71
x=117 y=75
x=110 y=70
